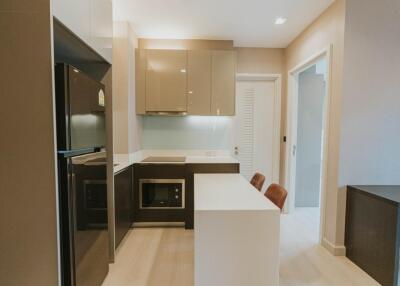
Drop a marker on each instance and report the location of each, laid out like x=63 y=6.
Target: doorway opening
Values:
x=257 y=125
x=308 y=131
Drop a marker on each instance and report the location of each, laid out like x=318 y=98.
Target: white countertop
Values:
x=228 y=192
x=121 y=161
x=192 y=157
x=211 y=160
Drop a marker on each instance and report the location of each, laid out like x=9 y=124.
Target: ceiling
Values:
x=250 y=23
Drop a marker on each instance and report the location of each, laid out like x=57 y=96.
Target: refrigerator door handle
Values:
x=76 y=152
x=73 y=199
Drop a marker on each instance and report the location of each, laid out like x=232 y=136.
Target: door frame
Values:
x=276 y=148
x=291 y=127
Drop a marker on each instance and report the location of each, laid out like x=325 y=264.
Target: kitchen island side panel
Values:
x=190 y=171
x=371 y=236
x=236 y=248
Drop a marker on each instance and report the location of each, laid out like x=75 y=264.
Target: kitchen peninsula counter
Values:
x=236 y=233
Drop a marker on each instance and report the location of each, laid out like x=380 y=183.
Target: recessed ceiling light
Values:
x=280 y=21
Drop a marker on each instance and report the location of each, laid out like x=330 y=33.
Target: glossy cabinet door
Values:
x=223 y=83
x=140 y=84
x=166 y=81
x=123 y=188
x=199 y=82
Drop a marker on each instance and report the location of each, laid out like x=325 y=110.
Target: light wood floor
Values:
x=304 y=262
x=156 y=256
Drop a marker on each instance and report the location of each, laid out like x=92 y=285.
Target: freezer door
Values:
x=87 y=124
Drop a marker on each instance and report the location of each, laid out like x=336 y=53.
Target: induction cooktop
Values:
x=164 y=159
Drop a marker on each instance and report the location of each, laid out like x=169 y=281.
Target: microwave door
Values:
x=162 y=193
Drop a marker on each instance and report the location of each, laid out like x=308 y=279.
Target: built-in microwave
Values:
x=162 y=193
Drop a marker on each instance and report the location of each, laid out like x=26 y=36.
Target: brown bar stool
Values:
x=277 y=194
x=258 y=181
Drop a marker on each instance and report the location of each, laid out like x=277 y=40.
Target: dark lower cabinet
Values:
x=372 y=234
x=156 y=171
x=123 y=187
x=173 y=171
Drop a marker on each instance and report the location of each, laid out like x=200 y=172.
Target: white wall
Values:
x=189 y=132
x=126 y=125
x=309 y=136
x=370 y=133
x=327 y=30
x=134 y=121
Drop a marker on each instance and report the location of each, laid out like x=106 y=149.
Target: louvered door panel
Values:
x=245 y=130
x=254 y=129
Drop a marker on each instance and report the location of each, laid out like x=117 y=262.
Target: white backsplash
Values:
x=188 y=132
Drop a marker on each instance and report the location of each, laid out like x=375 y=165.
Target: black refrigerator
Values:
x=82 y=168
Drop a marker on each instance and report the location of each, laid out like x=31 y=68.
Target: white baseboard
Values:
x=336 y=250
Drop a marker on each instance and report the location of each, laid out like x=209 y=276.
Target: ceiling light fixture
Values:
x=280 y=21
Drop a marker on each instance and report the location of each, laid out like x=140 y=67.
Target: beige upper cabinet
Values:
x=166 y=81
x=223 y=83
x=140 y=84
x=199 y=82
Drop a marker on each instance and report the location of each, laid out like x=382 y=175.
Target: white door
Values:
x=256 y=126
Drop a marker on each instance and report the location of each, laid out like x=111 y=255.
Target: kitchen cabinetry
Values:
x=195 y=82
x=140 y=84
x=157 y=172
x=123 y=189
x=174 y=171
x=90 y=20
x=166 y=80
x=223 y=83
x=372 y=234
x=199 y=82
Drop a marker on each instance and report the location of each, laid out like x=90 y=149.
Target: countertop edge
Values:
x=126 y=160
x=277 y=210
x=359 y=189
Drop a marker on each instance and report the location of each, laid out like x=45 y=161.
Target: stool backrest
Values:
x=258 y=181
x=277 y=194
